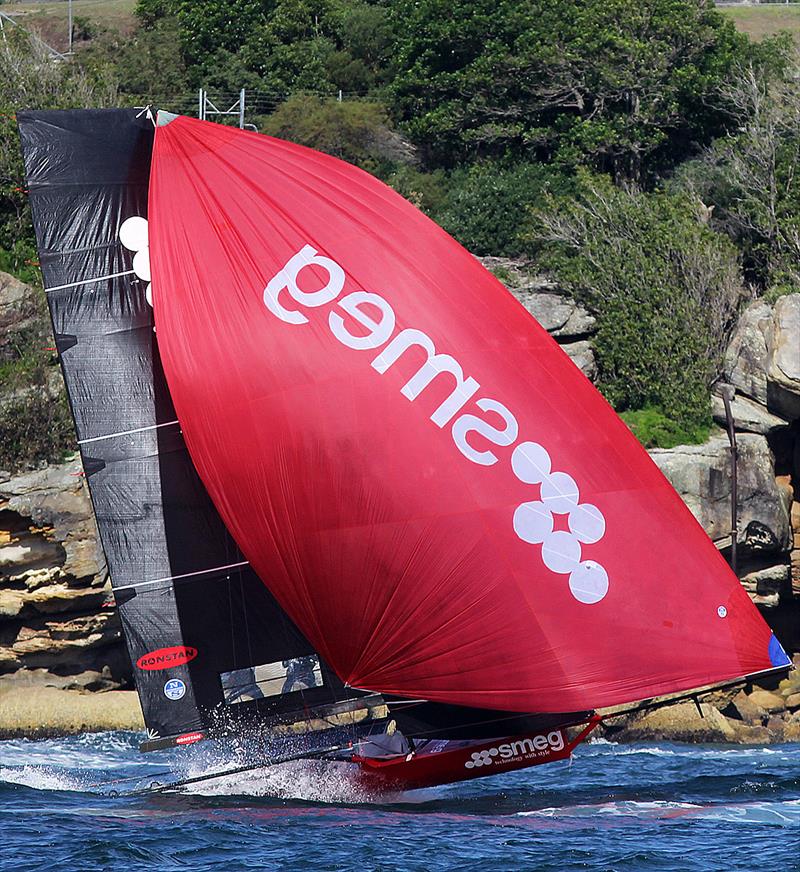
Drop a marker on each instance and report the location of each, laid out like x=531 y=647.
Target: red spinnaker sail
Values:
x=425 y=481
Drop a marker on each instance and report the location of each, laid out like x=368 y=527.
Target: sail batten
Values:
x=432 y=491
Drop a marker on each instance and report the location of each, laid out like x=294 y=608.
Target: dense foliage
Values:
x=642 y=151
x=665 y=289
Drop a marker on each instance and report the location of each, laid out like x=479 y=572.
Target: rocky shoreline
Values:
x=63 y=664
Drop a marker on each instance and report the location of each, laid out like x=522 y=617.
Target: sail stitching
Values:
x=128 y=432
x=127 y=272
x=184 y=575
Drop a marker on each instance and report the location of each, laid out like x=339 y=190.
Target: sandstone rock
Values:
x=48 y=711
x=765 y=699
x=765 y=585
x=47 y=530
x=561 y=316
x=791 y=732
x=746 y=710
x=793 y=701
x=679 y=723
x=517 y=273
x=783 y=361
x=790 y=684
x=701 y=475
x=751 y=734
x=745 y=364
x=583 y=357
x=748 y=415
x=89 y=680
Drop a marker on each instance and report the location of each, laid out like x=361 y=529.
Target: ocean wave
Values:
x=784 y=813
x=42 y=778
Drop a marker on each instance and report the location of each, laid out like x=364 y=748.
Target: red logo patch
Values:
x=166 y=658
x=189 y=738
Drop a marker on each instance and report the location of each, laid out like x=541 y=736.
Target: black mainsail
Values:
x=209 y=645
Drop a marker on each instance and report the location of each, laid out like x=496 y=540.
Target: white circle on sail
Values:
x=530 y=462
x=561 y=552
x=133 y=233
x=589 y=582
x=533 y=523
x=560 y=493
x=141 y=264
x=587 y=524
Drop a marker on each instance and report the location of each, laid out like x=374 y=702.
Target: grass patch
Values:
x=654 y=429
x=759 y=22
x=49 y=19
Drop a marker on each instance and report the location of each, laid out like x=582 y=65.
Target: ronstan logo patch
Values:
x=166 y=658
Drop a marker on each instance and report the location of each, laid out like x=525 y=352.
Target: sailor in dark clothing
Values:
x=299 y=673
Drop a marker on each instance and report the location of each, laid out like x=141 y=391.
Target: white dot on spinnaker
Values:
x=530 y=462
x=133 y=233
x=561 y=552
x=560 y=493
x=588 y=583
x=586 y=522
x=141 y=264
x=533 y=523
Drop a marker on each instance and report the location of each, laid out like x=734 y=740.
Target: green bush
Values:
x=664 y=287
x=488 y=205
x=357 y=131
x=35 y=428
x=427 y=191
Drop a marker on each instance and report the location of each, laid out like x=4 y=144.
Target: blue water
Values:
x=616 y=807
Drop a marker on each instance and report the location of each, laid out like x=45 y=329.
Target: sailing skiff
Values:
x=354 y=500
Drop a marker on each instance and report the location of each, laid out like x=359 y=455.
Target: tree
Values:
x=665 y=289
x=624 y=85
x=750 y=177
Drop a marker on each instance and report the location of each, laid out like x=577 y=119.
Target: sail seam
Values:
x=128 y=432
x=127 y=272
x=184 y=575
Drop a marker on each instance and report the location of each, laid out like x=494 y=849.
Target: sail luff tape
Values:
x=127 y=272
x=127 y=432
x=184 y=575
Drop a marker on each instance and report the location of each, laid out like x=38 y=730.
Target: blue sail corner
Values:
x=777 y=656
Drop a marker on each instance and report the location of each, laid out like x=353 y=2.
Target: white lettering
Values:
x=379 y=331
x=556 y=740
x=435 y=364
x=523 y=746
x=287 y=279
x=472 y=424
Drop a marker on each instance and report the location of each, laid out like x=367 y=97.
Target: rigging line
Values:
x=127 y=432
x=127 y=272
x=184 y=575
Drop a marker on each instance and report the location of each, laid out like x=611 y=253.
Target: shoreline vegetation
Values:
x=639 y=159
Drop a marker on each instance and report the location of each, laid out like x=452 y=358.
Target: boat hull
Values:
x=446 y=762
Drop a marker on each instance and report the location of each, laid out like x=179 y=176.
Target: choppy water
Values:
x=617 y=807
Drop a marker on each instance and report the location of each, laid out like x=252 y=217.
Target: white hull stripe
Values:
x=185 y=575
x=127 y=272
x=127 y=432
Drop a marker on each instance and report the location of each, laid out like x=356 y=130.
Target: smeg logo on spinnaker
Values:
x=166 y=658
